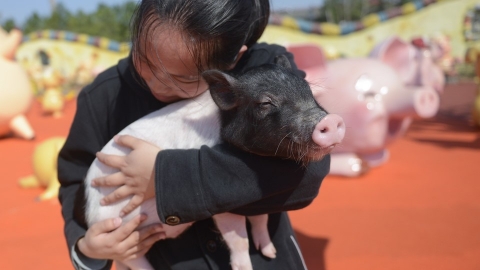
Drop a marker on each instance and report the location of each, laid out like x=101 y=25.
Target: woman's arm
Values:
x=84 y=139
x=73 y=162
x=196 y=184
x=221 y=179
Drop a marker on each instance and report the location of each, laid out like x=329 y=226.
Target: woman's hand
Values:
x=109 y=239
x=136 y=176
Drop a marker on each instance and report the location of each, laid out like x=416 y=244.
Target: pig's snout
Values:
x=329 y=131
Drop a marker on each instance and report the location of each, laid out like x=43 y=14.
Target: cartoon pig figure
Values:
x=417 y=63
x=44 y=161
x=371 y=96
x=15 y=90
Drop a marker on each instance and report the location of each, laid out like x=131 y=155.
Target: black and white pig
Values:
x=267 y=111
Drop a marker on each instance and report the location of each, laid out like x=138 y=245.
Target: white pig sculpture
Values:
x=271 y=97
x=376 y=97
x=16 y=93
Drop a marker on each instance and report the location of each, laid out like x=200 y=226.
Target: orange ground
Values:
x=419 y=211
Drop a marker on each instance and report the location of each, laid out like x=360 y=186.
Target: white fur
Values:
x=186 y=124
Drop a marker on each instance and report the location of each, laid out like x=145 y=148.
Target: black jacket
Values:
x=191 y=184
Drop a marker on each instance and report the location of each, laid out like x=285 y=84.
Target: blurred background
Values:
x=403 y=191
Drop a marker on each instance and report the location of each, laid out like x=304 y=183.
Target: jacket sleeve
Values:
x=74 y=160
x=224 y=179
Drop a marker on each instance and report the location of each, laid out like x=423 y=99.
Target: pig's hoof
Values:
x=269 y=251
x=240 y=261
x=236 y=266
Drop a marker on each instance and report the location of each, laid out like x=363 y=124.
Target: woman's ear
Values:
x=243 y=49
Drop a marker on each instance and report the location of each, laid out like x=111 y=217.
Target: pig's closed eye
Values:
x=266 y=103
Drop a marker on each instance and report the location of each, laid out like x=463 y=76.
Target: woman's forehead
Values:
x=167 y=49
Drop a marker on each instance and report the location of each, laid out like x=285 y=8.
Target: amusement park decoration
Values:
x=348 y=27
x=424 y=18
x=52 y=100
x=441 y=47
x=15 y=89
x=51 y=81
x=472 y=36
x=98 y=42
x=476 y=110
x=471 y=23
x=61 y=63
x=377 y=99
x=473 y=57
x=44 y=161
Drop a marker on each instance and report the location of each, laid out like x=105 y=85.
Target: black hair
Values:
x=214 y=30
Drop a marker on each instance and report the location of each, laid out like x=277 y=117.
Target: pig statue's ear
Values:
x=398 y=54
x=220 y=85
x=282 y=60
x=308 y=55
x=11 y=42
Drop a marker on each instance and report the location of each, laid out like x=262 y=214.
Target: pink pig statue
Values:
x=15 y=90
x=373 y=98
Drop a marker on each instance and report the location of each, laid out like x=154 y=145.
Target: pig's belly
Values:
x=183 y=125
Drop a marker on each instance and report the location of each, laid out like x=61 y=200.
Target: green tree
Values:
x=106 y=21
x=80 y=22
x=9 y=25
x=336 y=11
x=33 y=23
x=59 y=18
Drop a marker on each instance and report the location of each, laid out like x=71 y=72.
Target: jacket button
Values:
x=211 y=246
x=172 y=220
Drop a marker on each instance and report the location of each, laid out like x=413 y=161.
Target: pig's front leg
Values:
x=347 y=164
x=120 y=266
x=234 y=231
x=261 y=237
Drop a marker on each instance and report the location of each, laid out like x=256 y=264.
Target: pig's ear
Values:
x=220 y=85
x=282 y=61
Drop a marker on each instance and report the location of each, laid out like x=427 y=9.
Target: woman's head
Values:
x=193 y=36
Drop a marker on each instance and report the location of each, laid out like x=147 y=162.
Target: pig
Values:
x=268 y=111
x=16 y=93
x=376 y=97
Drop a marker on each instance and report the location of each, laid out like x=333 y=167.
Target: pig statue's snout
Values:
x=427 y=103
x=329 y=131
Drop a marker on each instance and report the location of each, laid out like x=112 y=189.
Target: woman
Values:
x=173 y=42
